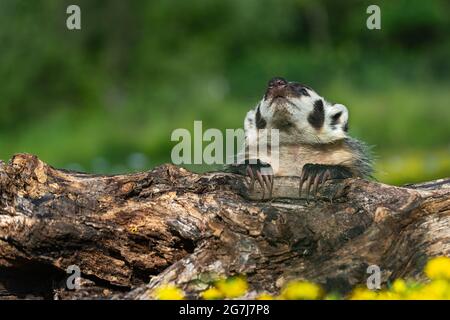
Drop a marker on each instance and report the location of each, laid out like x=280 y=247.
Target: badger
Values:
x=313 y=140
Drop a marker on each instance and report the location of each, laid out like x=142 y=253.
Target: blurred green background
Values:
x=106 y=99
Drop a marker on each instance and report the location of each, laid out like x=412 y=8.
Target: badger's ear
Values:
x=339 y=113
x=339 y=116
x=340 y=107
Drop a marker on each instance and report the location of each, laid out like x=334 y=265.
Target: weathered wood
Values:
x=131 y=233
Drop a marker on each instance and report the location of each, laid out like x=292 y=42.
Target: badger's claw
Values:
x=263 y=173
x=315 y=175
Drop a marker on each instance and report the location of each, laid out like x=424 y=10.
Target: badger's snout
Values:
x=276 y=88
x=280 y=88
x=277 y=82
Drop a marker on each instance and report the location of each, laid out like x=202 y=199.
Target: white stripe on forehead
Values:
x=314 y=95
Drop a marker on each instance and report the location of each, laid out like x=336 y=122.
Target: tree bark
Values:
x=131 y=233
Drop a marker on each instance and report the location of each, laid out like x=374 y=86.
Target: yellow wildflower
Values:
x=301 y=290
x=438 y=268
x=418 y=295
x=265 y=296
x=169 y=292
x=437 y=289
x=212 y=294
x=361 y=293
x=232 y=287
x=387 y=295
x=399 y=286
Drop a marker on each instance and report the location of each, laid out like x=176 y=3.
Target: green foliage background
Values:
x=106 y=98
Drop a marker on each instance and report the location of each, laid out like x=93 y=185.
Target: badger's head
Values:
x=300 y=113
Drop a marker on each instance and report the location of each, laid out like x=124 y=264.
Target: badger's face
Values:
x=299 y=112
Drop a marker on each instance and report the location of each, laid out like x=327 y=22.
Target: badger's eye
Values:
x=301 y=90
x=304 y=92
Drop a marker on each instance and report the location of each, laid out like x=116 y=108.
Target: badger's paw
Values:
x=261 y=172
x=314 y=176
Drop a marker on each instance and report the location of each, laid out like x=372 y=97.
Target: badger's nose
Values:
x=277 y=82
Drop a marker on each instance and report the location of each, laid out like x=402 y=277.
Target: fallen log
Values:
x=131 y=233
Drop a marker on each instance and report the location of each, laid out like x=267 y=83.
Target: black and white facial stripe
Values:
x=300 y=114
x=317 y=117
x=260 y=122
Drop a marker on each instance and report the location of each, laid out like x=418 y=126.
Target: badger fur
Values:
x=313 y=138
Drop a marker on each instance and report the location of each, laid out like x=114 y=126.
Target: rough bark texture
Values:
x=130 y=233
